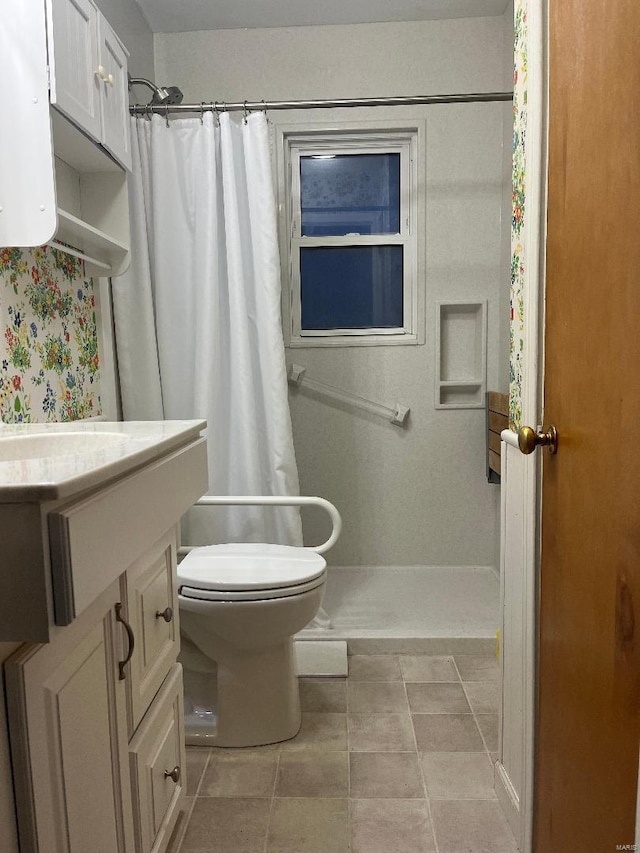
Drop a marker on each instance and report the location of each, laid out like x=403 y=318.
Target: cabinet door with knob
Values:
x=88 y=74
x=74 y=65
x=157 y=755
x=152 y=611
x=115 y=94
x=69 y=743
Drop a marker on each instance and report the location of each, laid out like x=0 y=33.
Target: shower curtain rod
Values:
x=252 y=106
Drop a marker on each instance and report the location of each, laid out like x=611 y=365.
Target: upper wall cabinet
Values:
x=65 y=154
x=88 y=74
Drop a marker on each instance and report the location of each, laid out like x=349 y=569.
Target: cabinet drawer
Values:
x=92 y=542
x=152 y=608
x=157 y=750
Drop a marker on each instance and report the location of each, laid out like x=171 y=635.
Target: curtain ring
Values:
x=244 y=111
x=216 y=113
x=166 y=115
x=149 y=112
x=264 y=109
x=202 y=112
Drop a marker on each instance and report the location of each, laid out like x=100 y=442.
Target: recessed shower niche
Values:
x=461 y=354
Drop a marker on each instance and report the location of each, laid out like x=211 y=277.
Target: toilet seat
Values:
x=249 y=572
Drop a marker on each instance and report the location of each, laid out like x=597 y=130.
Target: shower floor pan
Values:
x=411 y=609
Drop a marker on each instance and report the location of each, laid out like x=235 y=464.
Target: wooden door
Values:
x=589 y=666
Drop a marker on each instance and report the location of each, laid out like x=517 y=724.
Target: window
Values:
x=352 y=237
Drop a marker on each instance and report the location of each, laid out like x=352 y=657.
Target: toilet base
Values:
x=257 y=702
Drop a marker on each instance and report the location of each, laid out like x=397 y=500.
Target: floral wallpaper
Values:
x=518 y=260
x=49 y=350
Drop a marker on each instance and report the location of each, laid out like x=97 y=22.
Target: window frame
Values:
x=296 y=142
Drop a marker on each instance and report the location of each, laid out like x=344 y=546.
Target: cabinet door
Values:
x=67 y=720
x=152 y=611
x=115 y=94
x=157 y=754
x=73 y=62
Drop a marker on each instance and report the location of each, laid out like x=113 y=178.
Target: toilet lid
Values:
x=251 y=566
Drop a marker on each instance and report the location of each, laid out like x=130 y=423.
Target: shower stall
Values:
x=416 y=568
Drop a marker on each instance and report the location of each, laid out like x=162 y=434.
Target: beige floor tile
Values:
x=311 y=773
x=458 y=775
x=428 y=668
x=319 y=731
x=309 y=826
x=385 y=775
x=380 y=698
x=197 y=757
x=323 y=694
x=248 y=774
x=447 y=733
x=471 y=826
x=391 y=826
x=380 y=733
x=437 y=699
x=477 y=667
x=483 y=696
x=233 y=826
x=488 y=725
x=374 y=668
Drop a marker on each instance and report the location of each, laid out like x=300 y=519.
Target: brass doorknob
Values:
x=529 y=439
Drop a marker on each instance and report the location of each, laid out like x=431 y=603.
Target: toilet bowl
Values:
x=240 y=605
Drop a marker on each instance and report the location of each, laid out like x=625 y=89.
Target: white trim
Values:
x=507 y=797
x=521 y=509
x=509 y=437
x=638 y=811
x=404 y=138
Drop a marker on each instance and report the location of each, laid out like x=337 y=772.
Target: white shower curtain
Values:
x=197 y=315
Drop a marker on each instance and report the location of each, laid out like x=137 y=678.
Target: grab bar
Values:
x=275 y=500
x=397 y=415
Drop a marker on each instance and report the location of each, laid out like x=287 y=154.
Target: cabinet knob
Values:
x=166 y=614
x=101 y=74
x=110 y=80
x=174 y=774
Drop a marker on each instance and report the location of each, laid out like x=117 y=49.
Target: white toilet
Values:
x=240 y=605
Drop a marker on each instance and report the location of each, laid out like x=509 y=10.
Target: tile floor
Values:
x=397 y=758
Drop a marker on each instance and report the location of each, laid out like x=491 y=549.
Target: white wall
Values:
x=417 y=496
x=129 y=22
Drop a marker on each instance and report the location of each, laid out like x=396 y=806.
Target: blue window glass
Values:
x=351 y=287
x=350 y=194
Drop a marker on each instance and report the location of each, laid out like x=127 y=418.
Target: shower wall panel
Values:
x=415 y=496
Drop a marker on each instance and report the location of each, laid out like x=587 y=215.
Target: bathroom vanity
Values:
x=88 y=519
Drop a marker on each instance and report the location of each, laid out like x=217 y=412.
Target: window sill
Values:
x=353 y=341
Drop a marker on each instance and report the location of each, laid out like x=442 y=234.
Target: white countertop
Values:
x=88 y=455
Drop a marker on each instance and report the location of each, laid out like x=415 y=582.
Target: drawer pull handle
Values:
x=174 y=774
x=166 y=614
x=122 y=663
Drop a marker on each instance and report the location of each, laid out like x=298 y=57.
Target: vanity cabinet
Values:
x=88 y=74
x=99 y=712
x=96 y=718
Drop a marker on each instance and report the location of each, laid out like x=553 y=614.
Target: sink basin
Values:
x=41 y=462
x=56 y=445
